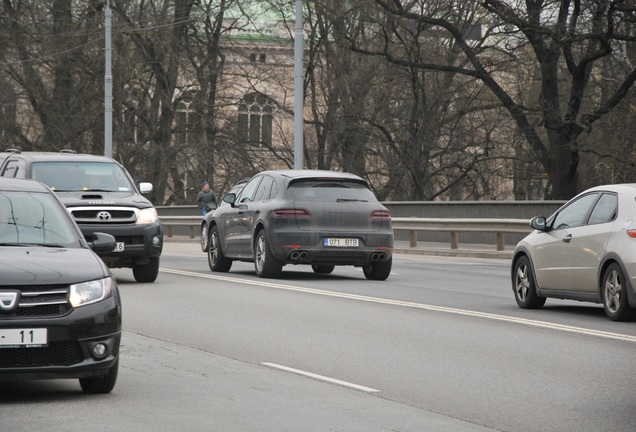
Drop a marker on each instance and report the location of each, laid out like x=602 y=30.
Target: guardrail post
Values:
x=454 y=240
x=500 y=241
x=191 y=232
x=168 y=230
x=413 y=242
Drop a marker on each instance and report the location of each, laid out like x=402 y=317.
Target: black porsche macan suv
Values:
x=60 y=310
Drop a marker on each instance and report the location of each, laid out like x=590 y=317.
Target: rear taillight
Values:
x=380 y=215
x=631 y=233
x=292 y=213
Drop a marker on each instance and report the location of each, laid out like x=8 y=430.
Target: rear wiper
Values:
x=350 y=200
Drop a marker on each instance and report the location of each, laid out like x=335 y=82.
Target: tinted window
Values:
x=247 y=194
x=330 y=191
x=604 y=210
x=15 y=168
x=575 y=212
x=34 y=218
x=264 y=189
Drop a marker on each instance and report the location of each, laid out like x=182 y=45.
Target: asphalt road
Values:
x=440 y=346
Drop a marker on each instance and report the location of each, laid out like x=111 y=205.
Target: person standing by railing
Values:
x=206 y=200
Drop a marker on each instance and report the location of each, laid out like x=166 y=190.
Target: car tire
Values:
x=101 y=384
x=322 y=269
x=147 y=272
x=379 y=270
x=217 y=261
x=614 y=294
x=265 y=264
x=524 y=287
x=204 y=237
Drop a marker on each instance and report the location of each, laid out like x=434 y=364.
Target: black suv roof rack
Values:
x=68 y=151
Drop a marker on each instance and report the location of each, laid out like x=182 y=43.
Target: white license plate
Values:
x=29 y=338
x=119 y=247
x=340 y=242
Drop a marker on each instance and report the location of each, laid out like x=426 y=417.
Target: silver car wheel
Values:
x=204 y=238
x=216 y=258
x=522 y=285
x=613 y=291
x=261 y=255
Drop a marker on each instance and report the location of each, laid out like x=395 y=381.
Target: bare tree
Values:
x=50 y=57
x=568 y=40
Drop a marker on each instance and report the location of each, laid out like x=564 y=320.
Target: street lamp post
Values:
x=108 y=89
x=298 y=87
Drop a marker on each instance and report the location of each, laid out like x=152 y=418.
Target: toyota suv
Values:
x=101 y=196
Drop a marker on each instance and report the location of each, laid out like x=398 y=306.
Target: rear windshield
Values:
x=330 y=191
x=83 y=176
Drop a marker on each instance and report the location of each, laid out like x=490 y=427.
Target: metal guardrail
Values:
x=452 y=226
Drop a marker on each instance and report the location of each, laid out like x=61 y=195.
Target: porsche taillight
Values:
x=292 y=213
x=380 y=215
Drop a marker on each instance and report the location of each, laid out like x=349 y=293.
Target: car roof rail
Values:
x=13 y=150
x=68 y=151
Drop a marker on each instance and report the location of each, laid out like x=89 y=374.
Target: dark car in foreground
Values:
x=312 y=217
x=585 y=251
x=60 y=310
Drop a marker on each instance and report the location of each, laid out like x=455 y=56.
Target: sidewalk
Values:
x=185 y=244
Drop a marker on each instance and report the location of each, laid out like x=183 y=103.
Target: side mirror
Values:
x=230 y=198
x=102 y=242
x=538 y=223
x=145 y=187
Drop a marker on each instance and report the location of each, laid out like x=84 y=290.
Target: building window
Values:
x=261 y=58
x=255 y=120
x=185 y=122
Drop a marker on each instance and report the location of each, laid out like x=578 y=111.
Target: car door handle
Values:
x=567 y=238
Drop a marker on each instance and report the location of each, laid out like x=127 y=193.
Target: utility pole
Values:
x=299 y=107
x=108 y=89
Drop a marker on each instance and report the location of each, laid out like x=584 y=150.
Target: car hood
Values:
x=97 y=198
x=22 y=265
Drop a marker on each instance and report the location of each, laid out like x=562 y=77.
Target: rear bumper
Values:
x=309 y=248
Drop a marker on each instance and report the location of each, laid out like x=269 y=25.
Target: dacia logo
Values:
x=9 y=300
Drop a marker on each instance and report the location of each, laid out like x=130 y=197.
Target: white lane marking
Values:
x=321 y=378
x=528 y=322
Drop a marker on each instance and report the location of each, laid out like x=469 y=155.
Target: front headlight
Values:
x=147 y=216
x=89 y=292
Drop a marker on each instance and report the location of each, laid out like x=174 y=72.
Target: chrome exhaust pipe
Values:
x=304 y=255
x=374 y=256
x=381 y=256
x=294 y=255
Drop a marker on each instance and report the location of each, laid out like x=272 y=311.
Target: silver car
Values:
x=318 y=218
x=585 y=251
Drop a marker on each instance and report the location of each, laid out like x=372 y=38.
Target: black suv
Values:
x=60 y=310
x=102 y=197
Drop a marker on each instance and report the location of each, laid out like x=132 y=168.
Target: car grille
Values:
x=55 y=354
x=40 y=301
x=104 y=215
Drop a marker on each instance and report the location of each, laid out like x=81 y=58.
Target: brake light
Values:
x=292 y=213
x=380 y=215
x=631 y=233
